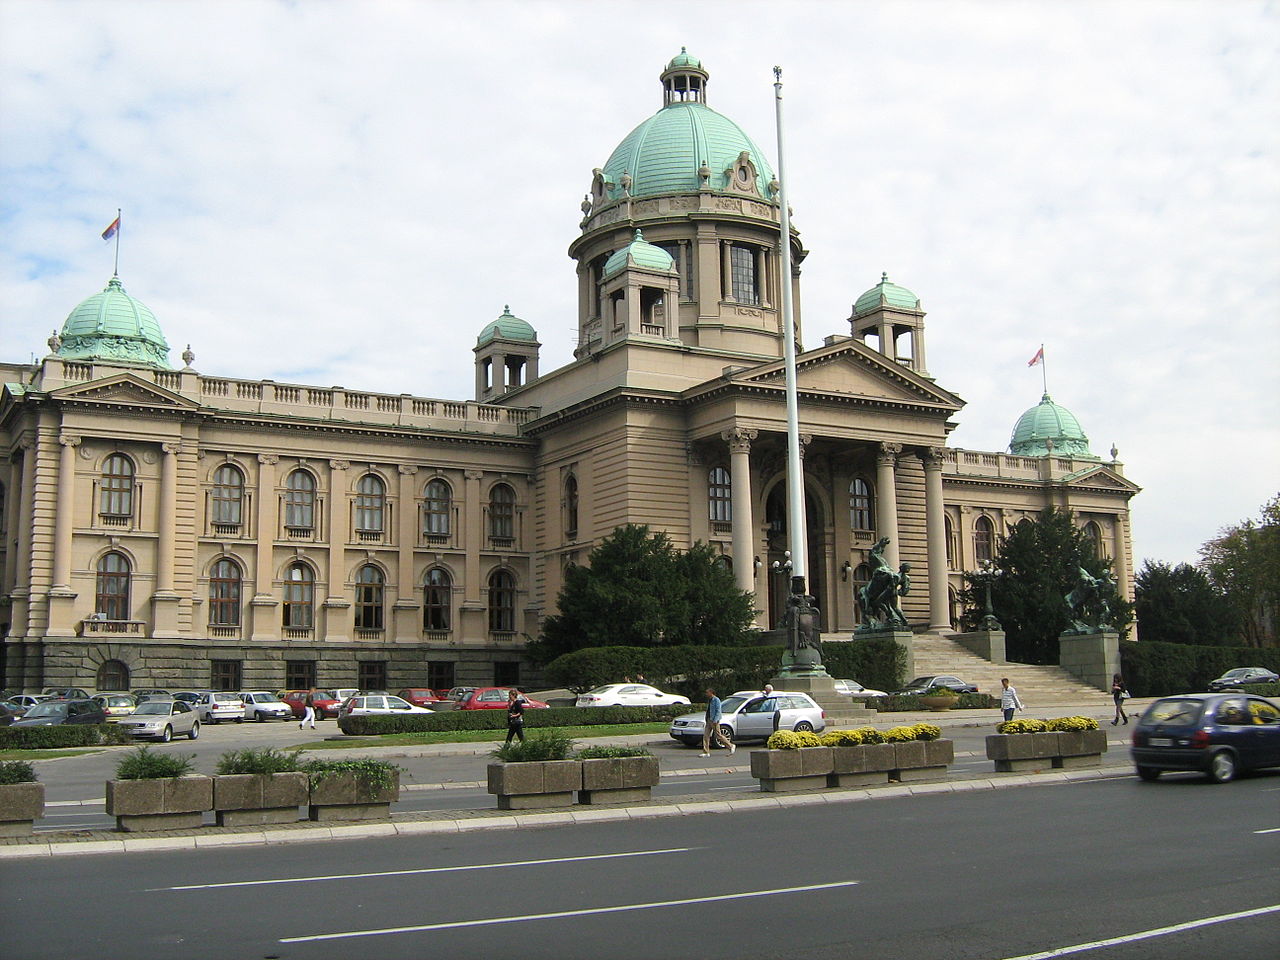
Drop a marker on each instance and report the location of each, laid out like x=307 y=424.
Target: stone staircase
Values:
x=1037 y=686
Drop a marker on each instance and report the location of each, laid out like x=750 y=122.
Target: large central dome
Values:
x=686 y=146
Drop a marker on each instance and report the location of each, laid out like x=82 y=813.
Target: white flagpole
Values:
x=119 y=223
x=1044 y=370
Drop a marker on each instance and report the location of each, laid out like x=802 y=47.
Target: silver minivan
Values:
x=749 y=715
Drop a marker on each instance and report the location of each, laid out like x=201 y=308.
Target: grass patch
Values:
x=43 y=754
x=480 y=736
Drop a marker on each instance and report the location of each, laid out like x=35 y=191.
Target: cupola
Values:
x=114 y=327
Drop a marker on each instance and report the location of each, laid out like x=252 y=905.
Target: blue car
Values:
x=1217 y=734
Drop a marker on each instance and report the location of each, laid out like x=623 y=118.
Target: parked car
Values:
x=263 y=705
x=458 y=694
x=215 y=706
x=923 y=685
x=66 y=693
x=627 y=695
x=116 y=705
x=1217 y=734
x=145 y=694
x=188 y=696
x=855 y=690
x=749 y=716
x=1234 y=679
x=49 y=713
x=362 y=706
x=25 y=701
x=162 y=720
x=419 y=696
x=495 y=698
x=325 y=702
x=345 y=693
x=8 y=714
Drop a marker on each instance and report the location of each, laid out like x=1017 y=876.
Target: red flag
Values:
x=1038 y=358
x=110 y=232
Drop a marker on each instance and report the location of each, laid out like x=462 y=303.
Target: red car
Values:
x=494 y=698
x=420 y=696
x=326 y=702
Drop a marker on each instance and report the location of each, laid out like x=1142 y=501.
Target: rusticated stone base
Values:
x=871 y=779
x=620 y=795
x=349 y=811
x=1023 y=766
x=534 y=801
x=252 y=818
x=1077 y=763
x=140 y=822
x=793 y=784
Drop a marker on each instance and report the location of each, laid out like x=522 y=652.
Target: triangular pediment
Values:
x=124 y=388
x=1100 y=475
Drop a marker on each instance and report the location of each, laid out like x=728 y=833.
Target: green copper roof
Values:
x=114 y=326
x=1045 y=422
x=507 y=327
x=888 y=294
x=639 y=253
x=684 y=59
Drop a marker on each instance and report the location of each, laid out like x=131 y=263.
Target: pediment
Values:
x=126 y=389
x=1100 y=476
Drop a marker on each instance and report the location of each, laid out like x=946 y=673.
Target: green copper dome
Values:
x=115 y=327
x=684 y=59
x=888 y=294
x=507 y=327
x=639 y=253
x=1046 y=422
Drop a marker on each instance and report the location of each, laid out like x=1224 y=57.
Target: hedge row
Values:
x=967 y=701
x=62 y=735
x=1159 y=669
x=497 y=719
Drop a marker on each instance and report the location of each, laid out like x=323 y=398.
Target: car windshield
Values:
x=1174 y=713
x=47 y=710
x=265 y=698
x=731 y=704
x=920 y=682
x=118 y=701
x=604 y=689
x=1238 y=672
x=224 y=698
x=158 y=707
x=324 y=695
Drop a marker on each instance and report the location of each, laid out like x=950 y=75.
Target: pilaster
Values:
x=935 y=529
x=262 y=606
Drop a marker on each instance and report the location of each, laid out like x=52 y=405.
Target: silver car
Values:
x=162 y=720
x=215 y=706
x=261 y=705
x=750 y=716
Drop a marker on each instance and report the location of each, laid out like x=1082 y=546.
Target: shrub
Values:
x=142 y=764
x=1072 y=723
x=610 y=753
x=844 y=738
x=16 y=771
x=899 y=734
x=1271 y=690
x=62 y=735
x=370 y=773
x=1154 y=669
x=793 y=740
x=927 y=731
x=878 y=664
x=449 y=720
x=251 y=760
x=549 y=745
x=912 y=702
x=1022 y=726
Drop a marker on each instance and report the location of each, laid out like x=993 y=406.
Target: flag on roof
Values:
x=1038 y=358
x=110 y=232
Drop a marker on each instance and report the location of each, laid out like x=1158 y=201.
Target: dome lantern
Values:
x=684 y=80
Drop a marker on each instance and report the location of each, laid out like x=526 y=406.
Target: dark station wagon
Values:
x=1217 y=734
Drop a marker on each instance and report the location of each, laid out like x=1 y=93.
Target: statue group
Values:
x=878 y=598
x=1087 y=603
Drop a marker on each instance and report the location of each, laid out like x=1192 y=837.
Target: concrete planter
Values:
x=861 y=765
x=922 y=760
x=167 y=803
x=248 y=799
x=21 y=804
x=618 y=779
x=786 y=771
x=1080 y=748
x=1020 y=752
x=345 y=797
x=535 y=784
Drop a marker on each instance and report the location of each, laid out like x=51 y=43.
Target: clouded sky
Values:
x=346 y=193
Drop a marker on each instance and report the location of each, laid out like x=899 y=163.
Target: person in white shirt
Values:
x=1009 y=699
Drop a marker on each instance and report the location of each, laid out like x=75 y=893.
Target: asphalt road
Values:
x=993 y=874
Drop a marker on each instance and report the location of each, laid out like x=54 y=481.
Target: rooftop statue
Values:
x=878 y=599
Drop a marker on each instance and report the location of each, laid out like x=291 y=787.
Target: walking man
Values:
x=711 y=727
x=1009 y=699
x=515 y=715
x=308 y=711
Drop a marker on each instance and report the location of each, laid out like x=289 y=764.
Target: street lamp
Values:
x=987 y=574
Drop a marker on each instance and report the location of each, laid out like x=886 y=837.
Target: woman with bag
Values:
x=1119 y=694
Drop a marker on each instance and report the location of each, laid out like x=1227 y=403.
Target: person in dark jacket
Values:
x=515 y=715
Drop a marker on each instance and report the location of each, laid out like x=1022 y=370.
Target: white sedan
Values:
x=627 y=695
x=369 y=705
x=852 y=688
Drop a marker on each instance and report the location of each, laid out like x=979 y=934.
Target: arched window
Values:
x=1093 y=533
x=116 y=487
x=571 y=506
x=300 y=501
x=949 y=531
x=112 y=675
x=437 y=507
x=369 y=593
x=719 y=495
x=299 y=596
x=228 y=495
x=860 y=505
x=114 y=576
x=983 y=539
x=502 y=512
x=437 y=600
x=224 y=594
x=502 y=602
x=371 y=502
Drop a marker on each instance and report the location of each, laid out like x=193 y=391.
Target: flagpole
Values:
x=116 y=270
x=1044 y=370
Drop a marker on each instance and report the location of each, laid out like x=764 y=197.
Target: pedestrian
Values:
x=308 y=711
x=515 y=715
x=711 y=726
x=1009 y=699
x=1119 y=695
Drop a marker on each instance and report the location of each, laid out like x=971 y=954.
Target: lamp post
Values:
x=987 y=574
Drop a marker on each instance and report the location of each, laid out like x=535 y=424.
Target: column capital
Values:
x=888 y=451
x=933 y=457
x=407 y=469
x=739 y=439
x=69 y=440
x=268 y=458
x=805 y=439
x=172 y=447
x=474 y=474
x=339 y=464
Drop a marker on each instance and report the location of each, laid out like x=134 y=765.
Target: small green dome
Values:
x=887 y=294
x=116 y=327
x=684 y=59
x=1046 y=422
x=507 y=327
x=640 y=253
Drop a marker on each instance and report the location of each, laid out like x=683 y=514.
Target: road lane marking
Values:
x=561 y=914
x=1272 y=830
x=1150 y=934
x=402 y=873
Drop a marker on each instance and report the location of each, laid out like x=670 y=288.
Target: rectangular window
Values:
x=506 y=673
x=299 y=674
x=371 y=675
x=225 y=675
x=742 y=263
x=441 y=674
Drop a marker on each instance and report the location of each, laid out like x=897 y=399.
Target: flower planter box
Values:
x=21 y=804
x=345 y=797
x=861 y=765
x=618 y=779
x=786 y=771
x=168 y=803
x=248 y=799
x=922 y=760
x=535 y=784
x=1017 y=752
x=1080 y=748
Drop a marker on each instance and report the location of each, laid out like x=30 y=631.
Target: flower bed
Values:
x=851 y=758
x=1064 y=743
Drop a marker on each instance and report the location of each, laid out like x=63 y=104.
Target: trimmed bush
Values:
x=548 y=745
x=1072 y=723
x=852 y=738
x=1271 y=690
x=611 y=753
x=793 y=740
x=1162 y=669
x=1022 y=726
x=370 y=773
x=254 y=760
x=497 y=719
x=17 y=771
x=142 y=763
x=61 y=735
x=912 y=702
x=878 y=664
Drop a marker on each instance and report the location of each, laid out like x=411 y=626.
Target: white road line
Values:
x=1272 y=830
x=1150 y=934
x=561 y=914
x=402 y=873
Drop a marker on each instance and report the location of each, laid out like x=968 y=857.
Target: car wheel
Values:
x=727 y=732
x=1222 y=766
x=259 y=717
x=212 y=719
x=804 y=726
x=167 y=735
x=195 y=731
x=239 y=719
x=1149 y=774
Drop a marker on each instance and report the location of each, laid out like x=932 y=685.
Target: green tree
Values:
x=1244 y=563
x=1040 y=563
x=1180 y=604
x=640 y=591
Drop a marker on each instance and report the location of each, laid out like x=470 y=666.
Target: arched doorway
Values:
x=816 y=575
x=112 y=675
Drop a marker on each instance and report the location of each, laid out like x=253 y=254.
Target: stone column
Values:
x=405 y=625
x=936 y=532
x=726 y=272
x=262 y=606
x=739 y=440
x=65 y=514
x=164 y=602
x=887 y=499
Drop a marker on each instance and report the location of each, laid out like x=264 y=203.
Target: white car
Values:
x=627 y=695
x=215 y=706
x=261 y=705
x=852 y=688
x=749 y=715
x=364 y=706
x=162 y=720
